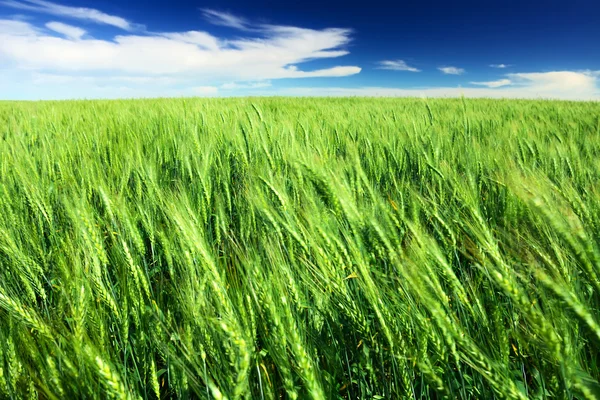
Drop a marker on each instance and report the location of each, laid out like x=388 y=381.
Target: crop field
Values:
x=278 y=248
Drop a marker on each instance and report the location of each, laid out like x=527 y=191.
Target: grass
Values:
x=300 y=248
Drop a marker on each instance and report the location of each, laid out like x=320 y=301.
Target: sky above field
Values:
x=152 y=48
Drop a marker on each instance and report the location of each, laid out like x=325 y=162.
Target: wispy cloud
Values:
x=397 y=65
x=493 y=84
x=222 y=18
x=82 y=13
x=452 y=70
x=500 y=66
x=71 y=32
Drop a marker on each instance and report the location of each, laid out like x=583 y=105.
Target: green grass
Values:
x=300 y=248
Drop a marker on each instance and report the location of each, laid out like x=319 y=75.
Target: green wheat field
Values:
x=278 y=248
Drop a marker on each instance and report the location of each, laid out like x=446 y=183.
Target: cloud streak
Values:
x=71 y=32
x=397 y=65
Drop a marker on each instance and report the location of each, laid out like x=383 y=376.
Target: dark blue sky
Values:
x=533 y=39
x=547 y=34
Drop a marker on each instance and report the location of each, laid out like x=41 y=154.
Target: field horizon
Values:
x=301 y=97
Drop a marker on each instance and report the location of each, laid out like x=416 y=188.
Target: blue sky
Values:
x=112 y=49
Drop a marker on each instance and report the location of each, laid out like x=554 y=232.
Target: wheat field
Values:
x=279 y=248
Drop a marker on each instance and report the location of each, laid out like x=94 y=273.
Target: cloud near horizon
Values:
x=567 y=85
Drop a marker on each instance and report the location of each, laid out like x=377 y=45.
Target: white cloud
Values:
x=452 y=70
x=244 y=59
x=88 y=14
x=499 y=65
x=71 y=32
x=397 y=65
x=567 y=85
x=16 y=28
x=493 y=84
x=195 y=58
